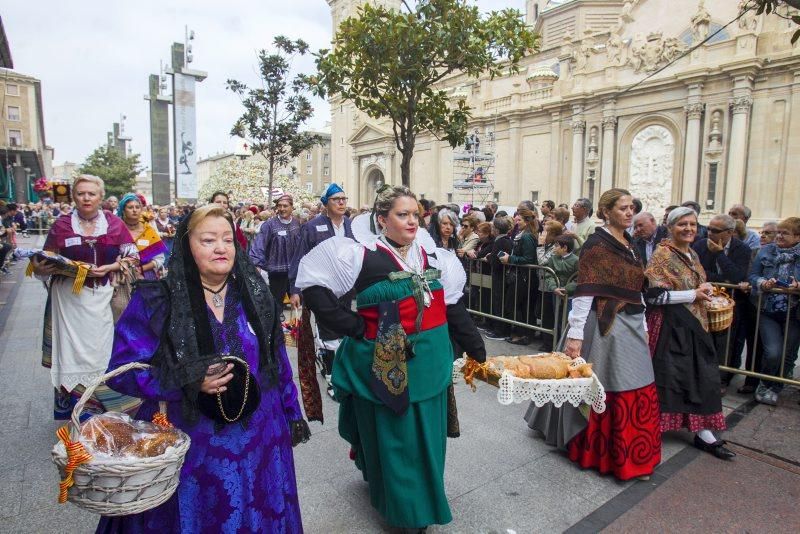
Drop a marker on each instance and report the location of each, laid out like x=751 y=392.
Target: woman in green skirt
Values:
x=393 y=371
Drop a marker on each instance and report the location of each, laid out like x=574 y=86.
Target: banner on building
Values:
x=185 y=132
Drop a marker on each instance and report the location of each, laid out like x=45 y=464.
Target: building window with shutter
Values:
x=13 y=113
x=308 y=156
x=15 y=138
x=308 y=169
x=12 y=89
x=326 y=171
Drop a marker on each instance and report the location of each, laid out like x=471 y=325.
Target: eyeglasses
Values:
x=338 y=200
x=718 y=230
x=464 y=225
x=784 y=233
x=768 y=232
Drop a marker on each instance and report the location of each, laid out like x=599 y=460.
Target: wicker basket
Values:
x=122 y=488
x=720 y=319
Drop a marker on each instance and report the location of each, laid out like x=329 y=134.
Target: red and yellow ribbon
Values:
x=160 y=419
x=76 y=455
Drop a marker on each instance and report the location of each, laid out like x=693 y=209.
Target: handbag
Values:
x=240 y=398
x=123 y=289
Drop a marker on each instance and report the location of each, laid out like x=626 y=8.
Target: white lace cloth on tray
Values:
x=576 y=391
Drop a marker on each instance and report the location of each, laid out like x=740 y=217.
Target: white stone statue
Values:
x=748 y=21
x=638 y=46
x=614 y=50
x=700 y=22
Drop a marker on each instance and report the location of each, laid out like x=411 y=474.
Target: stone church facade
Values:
x=595 y=108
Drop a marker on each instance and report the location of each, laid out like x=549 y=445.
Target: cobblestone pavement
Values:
x=499 y=477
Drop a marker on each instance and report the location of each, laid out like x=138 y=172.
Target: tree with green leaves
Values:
x=275 y=111
x=117 y=170
x=771 y=7
x=391 y=63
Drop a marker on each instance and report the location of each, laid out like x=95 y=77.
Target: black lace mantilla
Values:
x=187 y=346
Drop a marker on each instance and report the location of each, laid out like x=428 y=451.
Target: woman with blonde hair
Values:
x=210 y=313
x=392 y=374
x=79 y=327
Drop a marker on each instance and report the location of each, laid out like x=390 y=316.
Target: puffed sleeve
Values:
x=326 y=273
x=459 y=321
x=334 y=264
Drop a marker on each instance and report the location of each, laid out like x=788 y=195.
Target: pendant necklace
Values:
x=418 y=273
x=217 y=300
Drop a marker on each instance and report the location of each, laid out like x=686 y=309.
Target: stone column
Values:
x=358 y=186
x=514 y=158
x=694 y=111
x=576 y=179
x=555 y=188
x=737 y=155
x=609 y=144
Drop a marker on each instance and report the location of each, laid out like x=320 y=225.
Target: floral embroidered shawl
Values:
x=672 y=270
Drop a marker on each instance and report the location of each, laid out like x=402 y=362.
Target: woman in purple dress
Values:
x=239 y=476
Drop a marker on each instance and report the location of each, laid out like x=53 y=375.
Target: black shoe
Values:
x=746 y=389
x=495 y=336
x=331 y=394
x=4 y=270
x=717 y=448
x=519 y=341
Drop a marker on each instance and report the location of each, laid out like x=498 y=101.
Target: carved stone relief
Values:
x=749 y=20
x=651 y=167
x=378 y=160
x=741 y=104
x=649 y=54
x=694 y=110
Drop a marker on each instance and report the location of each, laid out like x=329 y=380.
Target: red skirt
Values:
x=625 y=440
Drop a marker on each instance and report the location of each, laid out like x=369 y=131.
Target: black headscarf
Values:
x=187 y=347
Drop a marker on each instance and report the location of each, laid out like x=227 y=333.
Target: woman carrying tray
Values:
x=393 y=370
x=78 y=327
x=239 y=476
x=607 y=329
x=684 y=359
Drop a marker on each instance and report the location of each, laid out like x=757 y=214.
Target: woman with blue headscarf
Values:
x=152 y=250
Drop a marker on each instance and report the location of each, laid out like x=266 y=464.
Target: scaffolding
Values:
x=473 y=170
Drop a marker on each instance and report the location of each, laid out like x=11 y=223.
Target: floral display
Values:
x=246 y=181
x=42 y=185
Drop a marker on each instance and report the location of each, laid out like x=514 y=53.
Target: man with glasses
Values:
x=726 y=259
x=331 y=222
x=768 y=232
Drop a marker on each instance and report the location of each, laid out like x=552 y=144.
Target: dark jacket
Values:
x=730 y=268
x=640 y=245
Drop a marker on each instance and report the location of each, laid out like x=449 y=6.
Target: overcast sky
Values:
x=94 y=57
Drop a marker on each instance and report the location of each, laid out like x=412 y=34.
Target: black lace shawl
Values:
x=186 y=346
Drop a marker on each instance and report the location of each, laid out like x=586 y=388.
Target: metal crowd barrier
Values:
x=496 y=293
x=752 y=371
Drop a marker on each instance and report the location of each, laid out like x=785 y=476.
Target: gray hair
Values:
x=643 y=215
x=728 y=221
x=502 y=224
x=92 y=179
x=770 y=223
x=446 y=213
x=679 y=213
x=586 y=204
x=747 y=212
